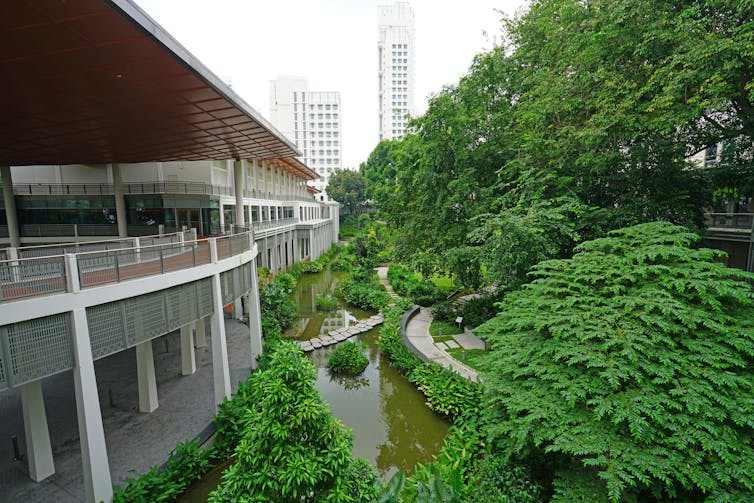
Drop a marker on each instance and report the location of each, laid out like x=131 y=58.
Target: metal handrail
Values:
x=742 y=221
x=31 y=276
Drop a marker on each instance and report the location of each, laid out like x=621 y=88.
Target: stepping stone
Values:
x=316 y=343
x=333 y=333
x=304 y=344
x=441 y=345
x=452 y=344
x=327 y=339
x=340 y=337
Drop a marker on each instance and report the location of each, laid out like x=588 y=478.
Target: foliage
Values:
x=391 y=343
x=631 y=365
x=292 y=449
x=447 y=392
x=349 y=189
x=499 y=482
x=186 y=463
x=277 y=309
x=474 y=358
x=362 y=289
x=581 y=121
x=315 y=266
x=348 y=358
x=326 y=302
x=407 y=284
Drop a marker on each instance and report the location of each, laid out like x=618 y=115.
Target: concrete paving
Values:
x=135 y=441
x=467 y=340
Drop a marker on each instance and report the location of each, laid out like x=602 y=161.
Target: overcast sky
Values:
x=333 y=43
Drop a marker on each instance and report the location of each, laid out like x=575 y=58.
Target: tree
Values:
x=349 y=189
x=632 y=366
x=293 y=449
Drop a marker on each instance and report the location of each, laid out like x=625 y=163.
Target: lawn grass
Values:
x=470 y=357
x=443 y=328
x=443 y=283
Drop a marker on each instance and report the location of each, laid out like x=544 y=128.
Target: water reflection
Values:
x=392 y=428
x=313 y=322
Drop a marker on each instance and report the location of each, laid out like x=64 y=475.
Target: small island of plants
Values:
x=348 y=359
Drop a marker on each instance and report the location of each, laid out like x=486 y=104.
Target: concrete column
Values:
x=38 y=447
x=10 y=207
x=238 y=309
x=255 y=319
x=146 y=378
x=264 y=179
x=97 y=481
x=238 y=179
x=201 y=334
x=188 y=358
x=220 y=371
x=222 y=215
x=120 y=202
x=255 y=169
x=294 y=246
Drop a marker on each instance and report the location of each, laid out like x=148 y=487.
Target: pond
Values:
x=392 y=427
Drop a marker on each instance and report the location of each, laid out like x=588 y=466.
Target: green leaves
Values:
x=348 y=358
x=292 y=449
x=635 y=358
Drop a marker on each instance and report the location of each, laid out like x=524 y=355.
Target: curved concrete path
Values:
x=417 y=330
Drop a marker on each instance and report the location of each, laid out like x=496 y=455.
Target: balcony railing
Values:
x=742 y=222
x=28 y=272
x=271 y=224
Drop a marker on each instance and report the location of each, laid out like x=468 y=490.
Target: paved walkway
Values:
x=134 y=440
x=417 y=330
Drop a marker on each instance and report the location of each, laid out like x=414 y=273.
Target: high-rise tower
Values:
x=396 y=55
x=312 y=121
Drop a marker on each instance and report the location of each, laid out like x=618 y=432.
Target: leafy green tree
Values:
x=349 y=189
x=632 y=366
x=292 y=449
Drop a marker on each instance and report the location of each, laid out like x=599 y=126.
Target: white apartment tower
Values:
x=396 y=59
x=312 y=120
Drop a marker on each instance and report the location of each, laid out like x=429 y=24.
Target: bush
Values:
x=631 y=365
x=447 y=310
x=186 y=463
x=348 y=358
x=326 y=302
x=477 y=310
x=292 y=449
x=499 y=482
x=391 y=343
x=362 y=289
x=406 y=284
x=447 y=392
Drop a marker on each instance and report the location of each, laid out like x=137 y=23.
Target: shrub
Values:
x=632 y=366
x=362 y=289
x=477 y=310
x=348 y=358
x=499 y=482
x=326 y=302
x=186 y=463
x=447 y=392
x=447 y=310
x=293 y=449
x=406 y=284
x=391 y=343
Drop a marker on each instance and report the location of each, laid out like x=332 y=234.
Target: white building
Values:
x=312 y=120
x=396 y=52
x=138 y=195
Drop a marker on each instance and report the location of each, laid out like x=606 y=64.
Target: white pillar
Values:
x=255 y=320
x=97 y=482
x=220 y=371
x=38 y=447
x=201 y=334
x=145 y=376
x=120 y=202
x=238 y=178
x=188 y=358
x=10 y=207
x=238 y=309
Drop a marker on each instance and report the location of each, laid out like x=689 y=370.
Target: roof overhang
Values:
x=99 y=81
x=294 y=166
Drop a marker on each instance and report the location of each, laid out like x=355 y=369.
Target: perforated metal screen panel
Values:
x=235 y=282
x=36 y=348
x=118 y=325
x=107 y=328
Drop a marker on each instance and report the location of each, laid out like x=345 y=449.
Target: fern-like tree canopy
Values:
x=629 y=369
